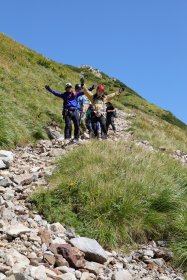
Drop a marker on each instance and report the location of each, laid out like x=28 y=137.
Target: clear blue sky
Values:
x=141 y=42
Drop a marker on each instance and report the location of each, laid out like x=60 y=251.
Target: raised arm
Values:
x=88 y=93
x=112 y=95
x=56 y=93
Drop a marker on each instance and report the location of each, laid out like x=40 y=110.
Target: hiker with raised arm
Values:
x=99 y=100
x=82 y=106
x=70 y=112
x=82 y=100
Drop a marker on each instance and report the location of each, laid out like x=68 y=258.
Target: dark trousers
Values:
x=71 y=116
x=102 y=122
x=110 y=121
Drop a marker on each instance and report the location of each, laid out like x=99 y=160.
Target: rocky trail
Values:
x=31 y=248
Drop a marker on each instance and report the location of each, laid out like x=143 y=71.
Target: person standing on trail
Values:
x=110 y=116
x=81 y=106
x=82 y=100
x=70 y=112
x=99 y=100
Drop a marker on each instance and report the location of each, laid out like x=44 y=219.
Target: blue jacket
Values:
x=70 y=98
x=82 y=100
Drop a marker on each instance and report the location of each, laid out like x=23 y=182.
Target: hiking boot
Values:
x=76 y=141
x=67 y=141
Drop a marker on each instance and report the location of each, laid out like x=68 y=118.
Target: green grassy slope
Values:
x=119 y=194
x=26 y=108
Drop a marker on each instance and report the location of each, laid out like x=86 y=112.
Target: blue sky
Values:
x=141 y=42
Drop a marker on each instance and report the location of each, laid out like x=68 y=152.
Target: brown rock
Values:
x=45 y=236
x=164 y=254
x=73 y=255
x=60 y=261
x=41 y=174
x=53 y=248
x=151 y=266
x=50 y=259
x=4 y=268
x=23 y=179
x=34 y=262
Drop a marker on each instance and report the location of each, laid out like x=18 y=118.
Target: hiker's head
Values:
x=68 y=87
x=100 y=90
x=108 y=103
x=78 y=87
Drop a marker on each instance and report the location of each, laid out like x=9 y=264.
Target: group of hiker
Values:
x=74 y=109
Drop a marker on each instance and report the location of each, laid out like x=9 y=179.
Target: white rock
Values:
x=92 y=249
x=12 y=257
x=59 y=240
x=35 y=169
x=94 y=267
x=122 y=275
x=85 y=275
x=19 y=267
x=2 y=276
x=2 y=164
x=16 y=230
x=159 y=262
x=38 y=272
x=6 y=157
x=5 y=182
x=68 y=276
x=78 y=274
x=148 y=253
x=57 y=228
x=9 y=194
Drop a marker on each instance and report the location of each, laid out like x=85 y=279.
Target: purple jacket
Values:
x=70 y=98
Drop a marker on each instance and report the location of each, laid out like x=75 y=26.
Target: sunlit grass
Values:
x=117 y=194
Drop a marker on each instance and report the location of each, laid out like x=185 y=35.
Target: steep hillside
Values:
x=125 y=190
x=26 y=108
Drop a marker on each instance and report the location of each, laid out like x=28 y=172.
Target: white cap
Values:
x=68 y=85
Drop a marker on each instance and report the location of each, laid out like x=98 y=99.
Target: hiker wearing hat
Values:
x=81 y=99
x=70 y=112
x=99 y=100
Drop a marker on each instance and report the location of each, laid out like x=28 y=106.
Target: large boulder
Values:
x=6 y=157
x=92 y=249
